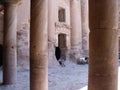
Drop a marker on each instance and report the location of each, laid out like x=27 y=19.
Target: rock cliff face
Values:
x=23 y=47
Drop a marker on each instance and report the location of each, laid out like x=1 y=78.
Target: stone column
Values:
x=75 y=16
x=85 y=28
x=9 y=42
x=103 y=63
x=76 y=32
x=39 y=45
x=51 y=32
x=51 y=20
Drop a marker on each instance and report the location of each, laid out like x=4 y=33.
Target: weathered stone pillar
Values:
x=75 y=16
x=85 y=28
x=51 y=20
x=103 y=63
x=76 y=32
x=39 y=45
x=51 y=32
x=9 y=43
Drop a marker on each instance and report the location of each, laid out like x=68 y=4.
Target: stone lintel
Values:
x=62 y=25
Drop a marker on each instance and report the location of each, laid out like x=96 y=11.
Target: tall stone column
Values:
x=76 y=32
x=39 y=45
x=85 y=28
x=51 y=32
x=9 y=42
x=103 y=63
x=75 y=16
x=51 y=20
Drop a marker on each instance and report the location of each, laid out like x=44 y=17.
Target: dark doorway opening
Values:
x=63 y=46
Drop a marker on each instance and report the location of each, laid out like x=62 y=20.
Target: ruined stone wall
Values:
x=23 y=13
x=23 y=29
x=23 y=47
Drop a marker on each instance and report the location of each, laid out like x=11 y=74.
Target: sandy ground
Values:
x=70 y=77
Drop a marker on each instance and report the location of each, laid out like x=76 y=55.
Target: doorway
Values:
x=62 y=43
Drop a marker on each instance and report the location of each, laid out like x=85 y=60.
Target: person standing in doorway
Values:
x=58 y=55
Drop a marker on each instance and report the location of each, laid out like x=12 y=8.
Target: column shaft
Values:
x=75 y=15
x=38 y=46
x=85 y=28
x=51 y=32
x=9 y=43
x=103 y=63
x=51 y=20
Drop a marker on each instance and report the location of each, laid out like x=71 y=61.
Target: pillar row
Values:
x=103 y=63
x=39 y=45
x=9 y=43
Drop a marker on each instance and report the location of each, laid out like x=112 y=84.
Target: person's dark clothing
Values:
x=58 y=56
x=57 y=53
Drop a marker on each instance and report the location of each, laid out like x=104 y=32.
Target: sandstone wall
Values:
x=23 y=13
x=23 y=29
x=55 y=26
x=58 y=28
x=23 y=47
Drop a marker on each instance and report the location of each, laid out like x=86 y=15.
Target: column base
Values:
x=74 y=54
